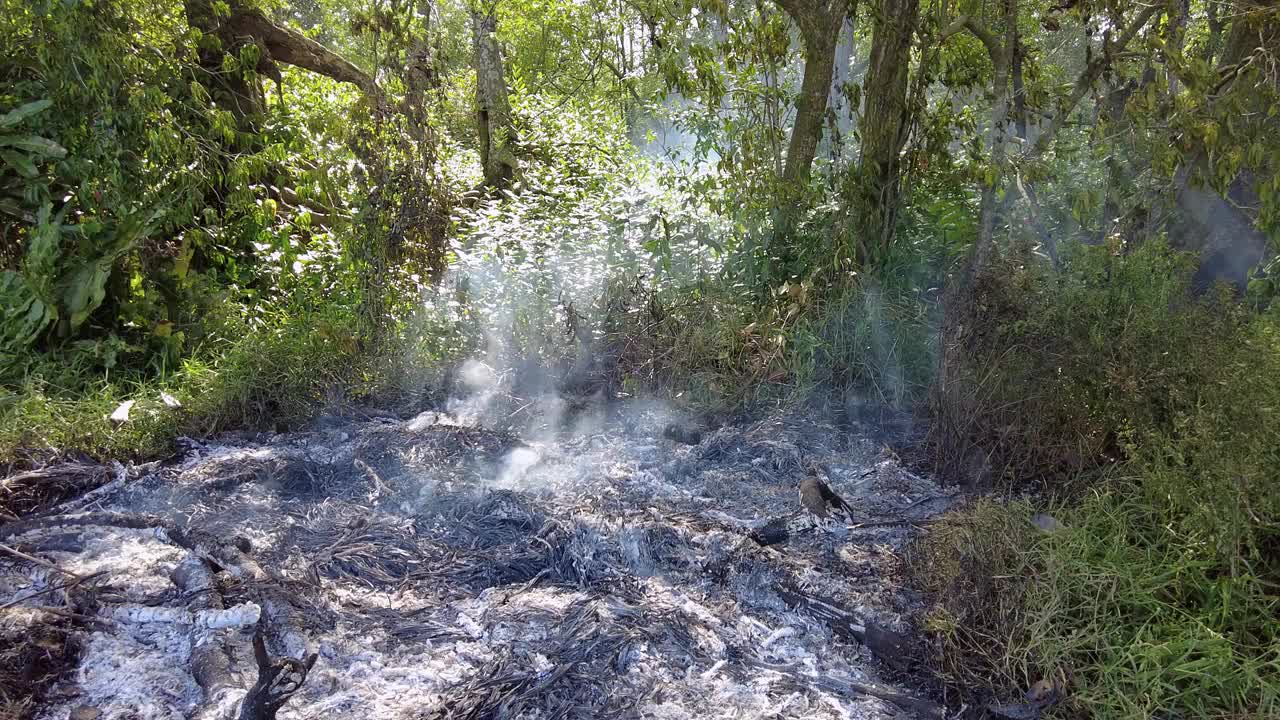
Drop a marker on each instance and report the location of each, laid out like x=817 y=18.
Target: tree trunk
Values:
x=811 y=107
x=836 y=98
x=1213 y=12
x=1178 y=31
x=1255 y=27
x=1019 y=91
x=998 y=138
x=235 y=92
x=420 y=76
x=819 y=22
x=886 y=120
x=493 y=108
x=421 y=211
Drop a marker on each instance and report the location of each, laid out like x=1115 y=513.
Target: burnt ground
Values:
x=443 y=570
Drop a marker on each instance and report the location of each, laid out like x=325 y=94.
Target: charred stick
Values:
x=78 y=579
x=278 y=679
x=32 y=558
x=128 y=521
x=88 y=619
x=847 y=686
x=921 y=707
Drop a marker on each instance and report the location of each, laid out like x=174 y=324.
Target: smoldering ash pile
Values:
x=436 y=568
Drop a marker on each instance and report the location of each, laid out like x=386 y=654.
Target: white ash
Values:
x=239 y=616
x=134 y=671
x=136 y=562
x=698 y=637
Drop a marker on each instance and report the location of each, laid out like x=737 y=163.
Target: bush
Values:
x=1061 y=371
x=1161 y=593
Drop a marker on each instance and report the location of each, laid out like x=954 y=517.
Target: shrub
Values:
x=1161 y=592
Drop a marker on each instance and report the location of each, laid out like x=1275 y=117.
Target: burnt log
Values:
x=210 y=661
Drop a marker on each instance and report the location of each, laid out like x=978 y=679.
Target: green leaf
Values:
x=17 y=115
x=21 y=163
x=182 y=261
x=24 y=316
x=35 y=144
x=86 y=290
x=44 y=243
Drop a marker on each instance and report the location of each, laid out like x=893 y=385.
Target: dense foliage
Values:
x=1159 y=591
x=1046 y=227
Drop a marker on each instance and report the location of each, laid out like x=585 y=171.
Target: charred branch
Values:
x=278 y=679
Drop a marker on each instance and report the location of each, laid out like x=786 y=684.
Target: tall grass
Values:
x=1160 y=594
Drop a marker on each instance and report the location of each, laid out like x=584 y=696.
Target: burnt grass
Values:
x=598 y=571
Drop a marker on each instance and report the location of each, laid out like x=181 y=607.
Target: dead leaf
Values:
x=121 y=414
x=1046 y=523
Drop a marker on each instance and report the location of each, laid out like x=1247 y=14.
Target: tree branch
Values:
x=293 y=48
x=622 y=77
x=1087 y=78
x=988 y=38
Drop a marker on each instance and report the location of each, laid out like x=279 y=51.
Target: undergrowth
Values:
x=271 y=379
x=712 y=350
x=1159 y=593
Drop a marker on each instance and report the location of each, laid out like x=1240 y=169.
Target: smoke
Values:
x=536 y=307
x=1227 y=239
x=516 y=466
x=882 y=349
x=663 y=135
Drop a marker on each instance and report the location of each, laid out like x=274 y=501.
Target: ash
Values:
x=445 y=570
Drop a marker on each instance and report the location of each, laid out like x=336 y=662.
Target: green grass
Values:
x=1161 y=595
x=1131 y=615
x=274 y=378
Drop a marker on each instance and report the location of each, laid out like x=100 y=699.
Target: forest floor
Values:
x=440 y=569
